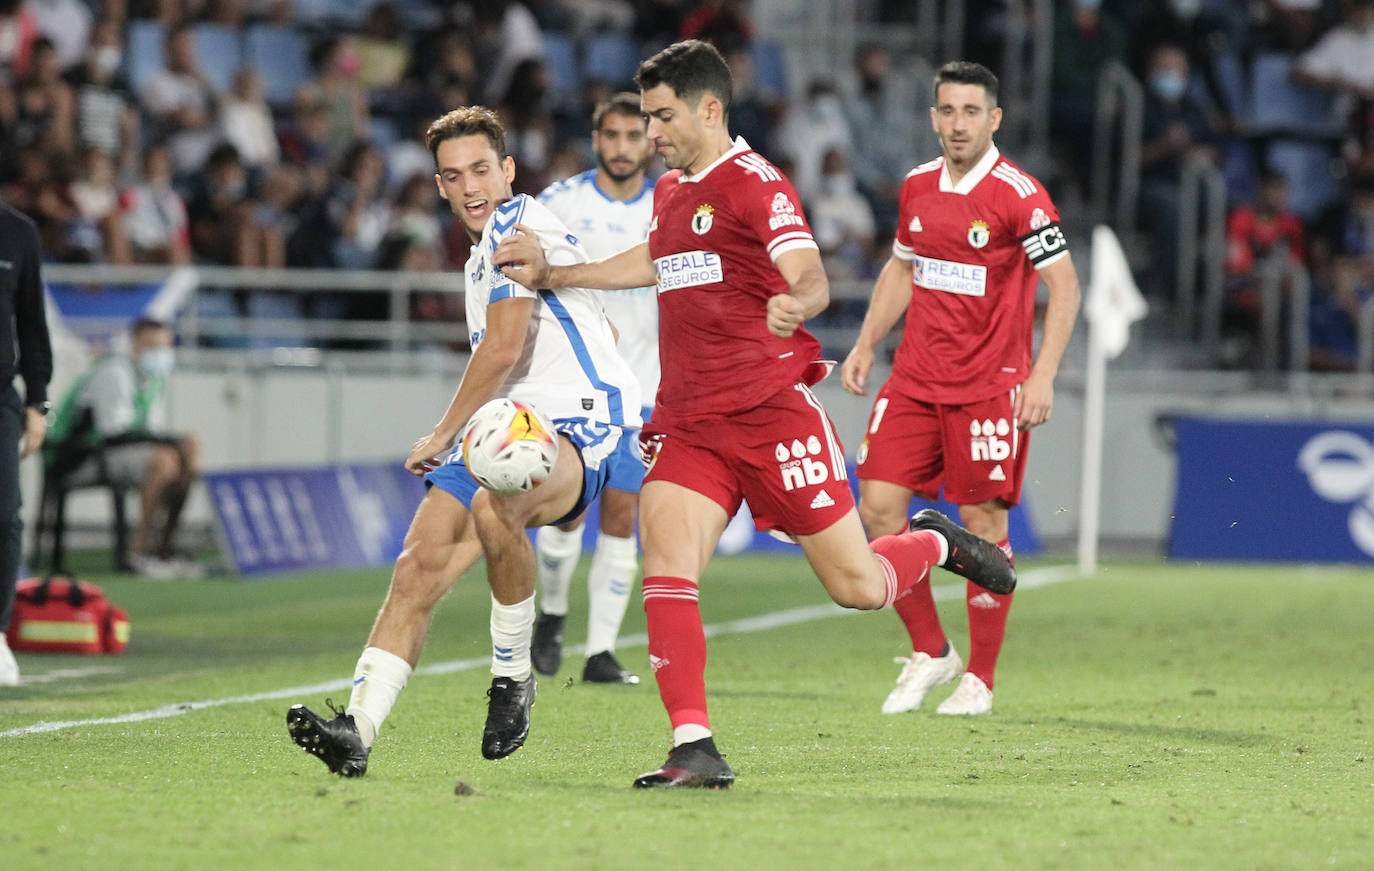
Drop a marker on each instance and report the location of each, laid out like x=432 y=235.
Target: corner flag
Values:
x=1114 y=302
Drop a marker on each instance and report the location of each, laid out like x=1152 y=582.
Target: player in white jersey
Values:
x=555 y=351
x=609 y=209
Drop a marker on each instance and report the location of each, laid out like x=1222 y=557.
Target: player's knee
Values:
x=856 y=589
x=879 y=520
x=418 y=576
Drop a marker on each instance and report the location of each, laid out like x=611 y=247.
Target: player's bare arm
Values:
x=521 y=258
x=891 y=296
x=1035 y=401
x=808 y=291
x=492 y=361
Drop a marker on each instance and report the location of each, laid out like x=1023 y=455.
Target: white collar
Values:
x=739 y=147
x=973 y=176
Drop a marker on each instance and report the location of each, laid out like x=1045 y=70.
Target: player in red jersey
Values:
x=974 y=235
x=737 y=273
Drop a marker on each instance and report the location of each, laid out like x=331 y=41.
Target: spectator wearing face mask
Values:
x=116 y=415
x=812 y=129
x=1175 y=129
x=155 y=214
x=841 y=219
x=106 y=116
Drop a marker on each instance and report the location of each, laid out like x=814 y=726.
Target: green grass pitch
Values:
x=1154 y=716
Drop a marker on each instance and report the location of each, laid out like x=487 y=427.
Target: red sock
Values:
x=987 y=624
x=912 y=554
x=677 y=648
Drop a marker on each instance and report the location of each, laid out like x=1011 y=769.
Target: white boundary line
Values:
x=1029 y=580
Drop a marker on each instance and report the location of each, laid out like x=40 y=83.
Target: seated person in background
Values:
x=1256 y=233
x=1342 y=254
x=117 y=411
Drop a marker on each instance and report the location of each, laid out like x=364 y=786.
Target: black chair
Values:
x=59 y=461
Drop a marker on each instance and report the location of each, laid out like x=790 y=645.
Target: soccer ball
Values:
x=509 y=447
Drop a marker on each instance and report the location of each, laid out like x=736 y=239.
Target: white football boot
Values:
x=921 y=674
x=971 y=697
x=9 y=669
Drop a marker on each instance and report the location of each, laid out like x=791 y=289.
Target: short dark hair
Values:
x=964 y=72
x=692 y=68
x=623 y=103
x=467 y=121
x=144 y=324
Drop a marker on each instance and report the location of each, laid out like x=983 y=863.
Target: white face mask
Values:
x=107 y=58
x=838 y=183
x=156 y=362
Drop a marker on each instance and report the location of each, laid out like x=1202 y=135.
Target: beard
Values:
x=618 y=176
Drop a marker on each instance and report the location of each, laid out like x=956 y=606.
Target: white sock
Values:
x=558 y=552
x=378 y=679
x=511 y=629
x=689 y=732
x=612 y=577
x=9 y=667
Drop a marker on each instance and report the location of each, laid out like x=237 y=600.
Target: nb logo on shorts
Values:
x=797 y=466
x=989 y=440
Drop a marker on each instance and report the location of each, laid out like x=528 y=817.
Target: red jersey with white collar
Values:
x=714 y=239
x=974 y=249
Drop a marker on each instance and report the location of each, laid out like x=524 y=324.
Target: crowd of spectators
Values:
x=1276 y=96
x=288 y=132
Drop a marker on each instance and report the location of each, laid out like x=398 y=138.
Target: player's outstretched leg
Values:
x=508 y=715
x=694 y=764
x=335 y=742
x=970 y=556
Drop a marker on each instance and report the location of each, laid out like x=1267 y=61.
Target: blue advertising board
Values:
x=279 y=520
x=1258 y=490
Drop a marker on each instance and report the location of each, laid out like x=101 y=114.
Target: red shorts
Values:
x=782 y=456
x=975 y=451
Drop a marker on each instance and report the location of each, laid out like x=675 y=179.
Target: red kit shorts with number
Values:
x=782 y=456
x=974 y=451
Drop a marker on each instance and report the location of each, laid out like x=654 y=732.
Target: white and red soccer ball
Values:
x=509 y=447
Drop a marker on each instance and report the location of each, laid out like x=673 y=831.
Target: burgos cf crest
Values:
x=978 y=234
x=704 y=217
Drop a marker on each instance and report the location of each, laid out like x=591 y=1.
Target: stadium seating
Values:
x=1230 y=77
x=219 y=51
x=1281 y=105
x=282 y=57
x=1312 y=185
x=770 y=67
x=560 y=59
x=143 y=56
x=330 y=14
x=611 y=58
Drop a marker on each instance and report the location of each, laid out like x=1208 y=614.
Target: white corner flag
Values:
x=1114 y=303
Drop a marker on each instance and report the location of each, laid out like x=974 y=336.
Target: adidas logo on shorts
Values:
x=822 y=500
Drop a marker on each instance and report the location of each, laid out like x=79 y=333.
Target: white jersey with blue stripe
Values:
x=605 y=226
x=569 y=367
